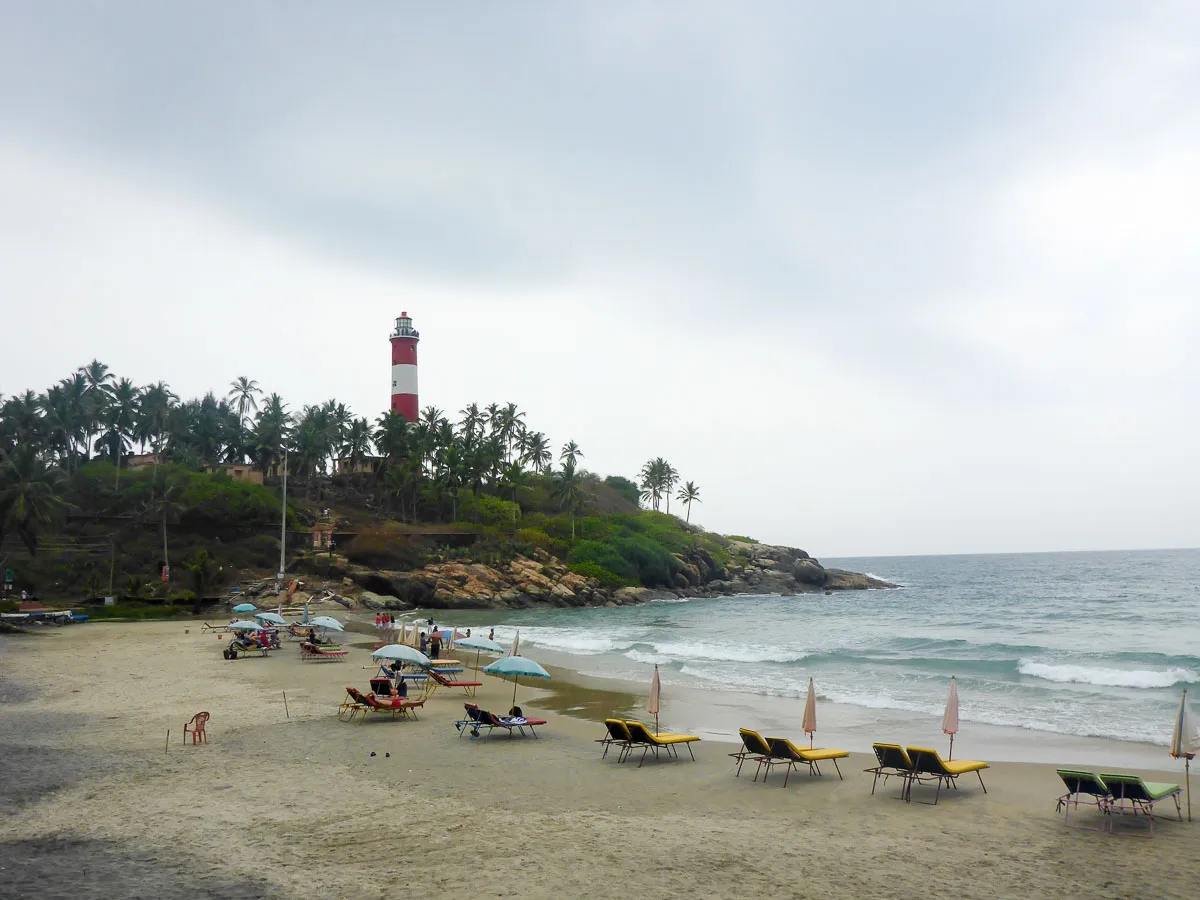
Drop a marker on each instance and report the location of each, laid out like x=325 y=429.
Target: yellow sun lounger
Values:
x=892 y=760
x=640 y=734
x=928 y=765
x=784 y=749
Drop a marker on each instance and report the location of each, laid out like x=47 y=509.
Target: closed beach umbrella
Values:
x=414 y=639
x=273 y=618
x=480 y=643
x=1185 y=742
x=515 y=650
x=401 y=653
x=655 y=696
x=327 y=622
x=950 y=716
x=810 y=713
x=245 y=608
x=514 y=667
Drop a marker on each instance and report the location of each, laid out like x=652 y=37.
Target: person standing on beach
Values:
x=492 y=635
x=423 y=642
x=435 y=645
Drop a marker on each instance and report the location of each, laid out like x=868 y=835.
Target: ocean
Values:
x=1078 y=644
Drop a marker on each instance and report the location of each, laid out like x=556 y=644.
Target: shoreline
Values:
x=285 y=801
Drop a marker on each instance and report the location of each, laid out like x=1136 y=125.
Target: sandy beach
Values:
x=292 y=803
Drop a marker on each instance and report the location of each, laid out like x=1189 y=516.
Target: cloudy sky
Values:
x=881 y=278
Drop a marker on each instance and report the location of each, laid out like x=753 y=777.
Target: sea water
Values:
x=1081 y=644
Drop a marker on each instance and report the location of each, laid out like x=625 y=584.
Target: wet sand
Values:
x=292 y=804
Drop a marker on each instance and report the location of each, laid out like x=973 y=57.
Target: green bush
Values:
x=742 y=538
x=488 y=510
x=606 y=578
x=625 y=488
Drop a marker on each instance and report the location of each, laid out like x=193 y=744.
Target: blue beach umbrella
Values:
x=245 y=608
x=477 y=644
x=402 y=653
x=327 y=622
x=273 y=618
x=514 y=667
x=244 y=625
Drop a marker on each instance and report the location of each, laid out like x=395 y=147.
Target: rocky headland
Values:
x=542 y=580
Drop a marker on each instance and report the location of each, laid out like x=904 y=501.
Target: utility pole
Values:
x=283 y=524
x=112 y=564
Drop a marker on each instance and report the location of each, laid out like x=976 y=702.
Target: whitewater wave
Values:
x=706 y=652
x=574 y=642
x=1131 y=678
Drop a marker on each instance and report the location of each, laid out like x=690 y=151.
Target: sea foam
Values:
x=1131 y=678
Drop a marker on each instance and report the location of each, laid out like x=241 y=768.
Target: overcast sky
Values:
x=880 y=278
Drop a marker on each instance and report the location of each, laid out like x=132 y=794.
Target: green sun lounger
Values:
x=1131 y=794
x=1086 y=788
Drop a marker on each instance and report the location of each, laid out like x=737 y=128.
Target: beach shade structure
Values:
x=810 y=713
x=401 y=653
x=245 y=608
x=950 y=716
x=515 y=650
x=478 y=644
x=652 y=703
x=1185 y=743
x=414 y=638
x=273 y=618
x=244 y=625
x=515 y=667
x=327 y=622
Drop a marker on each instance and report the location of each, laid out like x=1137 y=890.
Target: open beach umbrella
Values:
x=655 y=695
x=810 y=713
x=245 y=608
x=1185 y=742
x=950 y=716
x=514 y=667
x=244 y=625
x=327 y=622
x=480 y=643
x=273 y=618
x=401 y=653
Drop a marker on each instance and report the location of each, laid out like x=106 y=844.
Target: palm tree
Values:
x=120 y=417
x=688 y=494
x=270 y=431
x=472 y=418
x=356 y=442
x=670 y=479
x=30 y=495
x=568 y=490
x=570 y=454
x=657 y=478
x=243 y=393
x=538 y=455
x=513 y=477
x=99 y=381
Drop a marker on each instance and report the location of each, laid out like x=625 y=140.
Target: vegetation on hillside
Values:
x=74 y=515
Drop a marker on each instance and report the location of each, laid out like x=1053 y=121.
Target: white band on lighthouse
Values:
x=404 y=379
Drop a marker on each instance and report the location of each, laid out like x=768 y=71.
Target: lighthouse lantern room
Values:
x=404 y=368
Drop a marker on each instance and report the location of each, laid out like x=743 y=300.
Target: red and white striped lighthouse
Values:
x=404 y=368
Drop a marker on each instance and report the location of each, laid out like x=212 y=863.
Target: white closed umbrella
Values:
x=810 y=713
x=950 y=716
x=1185 y=743
x=652 y=703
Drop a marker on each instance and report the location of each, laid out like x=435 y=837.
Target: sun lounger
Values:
x=480 y=719
x=312 y=651
x=1087 y=788
x=640 y=734
x=893 y=760
x=928 y=765
x=784 y=750
x=396 y=707
x=1131 y=794
x=755 y=749
x=616 y=733
x=436 y=678
x=354 y=703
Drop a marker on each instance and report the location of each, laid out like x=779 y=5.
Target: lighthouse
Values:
x=404 y=368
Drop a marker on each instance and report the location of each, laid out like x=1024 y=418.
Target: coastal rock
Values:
x=809 y=571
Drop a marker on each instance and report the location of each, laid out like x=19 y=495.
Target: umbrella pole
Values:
x=1187 y=768
x=516 y=681
x=951 y=747
x=476 y=662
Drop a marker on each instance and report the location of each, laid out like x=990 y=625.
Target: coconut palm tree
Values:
x=688 y=494
x=570 y=454
x=568 y=491
x=243 y=394
x=30 y=495
x=538 y=455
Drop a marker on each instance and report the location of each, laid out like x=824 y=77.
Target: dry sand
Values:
x=92 y=805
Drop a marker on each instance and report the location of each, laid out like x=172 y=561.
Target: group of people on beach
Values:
x=384 y=621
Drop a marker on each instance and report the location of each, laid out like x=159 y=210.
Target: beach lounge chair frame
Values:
x=437 y=679
x=310 y=651
x=478 y=719
x=1090 y=790
x=783 y=750
x=755 y=749
x=1131 y=794
x=929 y=766
x=893 y=761
x=616 y=733
x=641 y=735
